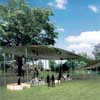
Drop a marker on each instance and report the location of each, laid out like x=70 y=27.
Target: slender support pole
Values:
x=4 y=68
x=71 y=66
x=61 y=66
x=60 y=69
x=44 y=68
x=45 y=64
x=37 y=67
x=26 y=61
x=96 y=70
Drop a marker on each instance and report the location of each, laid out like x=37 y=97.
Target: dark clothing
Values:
x=48 y=80
x=19 y=81
x=37 y=73
x=68 y=75
x=59 y=77
x=53 y=80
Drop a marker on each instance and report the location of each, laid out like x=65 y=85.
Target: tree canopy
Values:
x=21 y=24
x=96 y=51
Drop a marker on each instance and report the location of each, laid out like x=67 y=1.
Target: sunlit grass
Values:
x=71 y=90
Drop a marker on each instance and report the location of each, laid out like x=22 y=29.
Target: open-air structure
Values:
x=39 y=52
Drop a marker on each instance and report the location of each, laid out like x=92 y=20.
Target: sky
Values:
x=77 y=21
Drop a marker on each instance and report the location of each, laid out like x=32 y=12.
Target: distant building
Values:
x=45 y=63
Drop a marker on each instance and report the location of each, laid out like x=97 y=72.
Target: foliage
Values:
x=86 y=60
x=61 y=68
x=84 y=54
x=6 y=67
x=82 y=64
x=96 y=51
x=52 y=65
x=21 y=25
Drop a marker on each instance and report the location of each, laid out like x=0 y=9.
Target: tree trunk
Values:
x=19 y=63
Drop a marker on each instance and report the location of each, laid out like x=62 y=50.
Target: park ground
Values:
x=88 y=89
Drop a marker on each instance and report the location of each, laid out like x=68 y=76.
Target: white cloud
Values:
x=81 y=48
x=85 y=37
x=60 y=29
x=93 y=8
x=84 y=42
x=50 y=4
x=60 y=4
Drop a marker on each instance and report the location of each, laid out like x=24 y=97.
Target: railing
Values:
x=13 y=78
x=93 y=66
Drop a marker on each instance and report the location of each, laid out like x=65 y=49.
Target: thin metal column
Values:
x=4 y=68
x=26 y=61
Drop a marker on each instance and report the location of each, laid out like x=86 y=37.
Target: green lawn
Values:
x=71 y=90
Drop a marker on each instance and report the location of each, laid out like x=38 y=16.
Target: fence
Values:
x=8 y=77
x=12 y=78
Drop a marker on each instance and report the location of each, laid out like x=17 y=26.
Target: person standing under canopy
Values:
x=53 y=80
x=48 y=80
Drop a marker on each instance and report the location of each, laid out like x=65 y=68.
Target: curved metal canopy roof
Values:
x=41 y=52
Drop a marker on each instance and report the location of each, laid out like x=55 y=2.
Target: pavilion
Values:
x=41 y=52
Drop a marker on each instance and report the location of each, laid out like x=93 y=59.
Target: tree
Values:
x=96 y=51
x=22 y=25
x=62 y=67
x=52 y=65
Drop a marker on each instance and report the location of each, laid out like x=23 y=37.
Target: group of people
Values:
x=51 y=80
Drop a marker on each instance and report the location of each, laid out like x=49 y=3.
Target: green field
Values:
x=70 y=90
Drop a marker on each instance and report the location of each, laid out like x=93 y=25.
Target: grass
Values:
x=70 y=90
